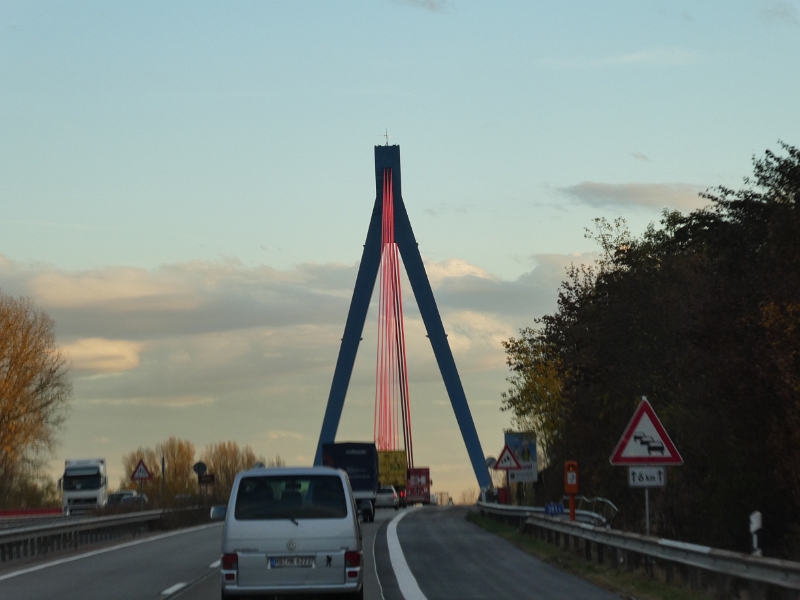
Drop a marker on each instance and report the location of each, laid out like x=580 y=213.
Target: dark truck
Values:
x=360 y=461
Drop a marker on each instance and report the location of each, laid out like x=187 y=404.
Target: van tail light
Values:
x=230 y=562
x=352 y=560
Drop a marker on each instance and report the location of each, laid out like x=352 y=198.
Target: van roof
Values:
x=284 y=471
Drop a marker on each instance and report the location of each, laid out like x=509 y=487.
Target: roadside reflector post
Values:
x=755 y=527
x=571 y=485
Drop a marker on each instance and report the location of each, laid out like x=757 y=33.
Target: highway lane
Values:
x=134 y=570
x=209 y=588
x=452 y=558
x=441 y=553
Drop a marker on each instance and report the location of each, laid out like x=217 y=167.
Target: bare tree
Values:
x=468 y=496
x=179 y=457
x=34 y=388
x=225 y=460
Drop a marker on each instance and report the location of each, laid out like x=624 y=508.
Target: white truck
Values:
x=84 y=486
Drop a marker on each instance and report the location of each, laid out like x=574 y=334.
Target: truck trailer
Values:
x=360 y=461
x=418 y=486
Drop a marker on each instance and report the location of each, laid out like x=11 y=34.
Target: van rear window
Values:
x=290 y=497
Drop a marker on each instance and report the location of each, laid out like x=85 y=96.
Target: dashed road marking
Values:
x=215 y=564
x=405 y=578
x=173 y=589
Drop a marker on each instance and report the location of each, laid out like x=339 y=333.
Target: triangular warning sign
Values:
x=645 y=441
x=507 y=461
x=141 y=473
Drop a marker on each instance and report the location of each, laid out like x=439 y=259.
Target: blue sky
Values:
x=199 y=162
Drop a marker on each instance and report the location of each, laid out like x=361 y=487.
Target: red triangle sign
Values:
x=507 y=461
x=140 y=473
x=645 y=441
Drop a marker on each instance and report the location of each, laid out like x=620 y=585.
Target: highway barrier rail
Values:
x=698 y=566
x=65 y=533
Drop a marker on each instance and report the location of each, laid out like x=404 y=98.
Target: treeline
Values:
x=224 y=460
x=702 y=316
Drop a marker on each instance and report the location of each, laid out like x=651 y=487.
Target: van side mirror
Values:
x=218 y=512
x=59 y=485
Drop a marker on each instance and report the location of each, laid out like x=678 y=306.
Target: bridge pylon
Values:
x=388 y=157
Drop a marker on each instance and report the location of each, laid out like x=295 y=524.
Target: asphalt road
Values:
x=452 y=558
x=143 y=568
x=441 y=557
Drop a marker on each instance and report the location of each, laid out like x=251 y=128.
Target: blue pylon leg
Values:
x=389 y=157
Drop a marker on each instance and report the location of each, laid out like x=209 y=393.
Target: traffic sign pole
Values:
x=647 y=511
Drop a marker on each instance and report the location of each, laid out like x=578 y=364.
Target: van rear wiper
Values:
x=293 y=521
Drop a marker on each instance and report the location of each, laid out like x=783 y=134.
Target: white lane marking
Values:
x=405 y=578
x=173 y=589
x=215 y=564
x=104 y=550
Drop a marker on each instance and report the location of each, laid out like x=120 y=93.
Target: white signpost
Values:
x=647 y=477
x=646 y=448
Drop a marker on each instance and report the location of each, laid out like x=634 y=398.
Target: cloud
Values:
x=431 y=5
x=211 y=351
x=123 y=287
x=102 y=355
x=452 y=268
x=278 y=434
x=655 y=57
x=160 y=402
x=640 y=156
x=682 y=196
x=780 y=12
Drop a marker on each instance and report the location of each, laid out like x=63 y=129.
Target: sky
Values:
x=185 y=188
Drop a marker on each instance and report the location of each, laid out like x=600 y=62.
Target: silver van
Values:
x=291 y=530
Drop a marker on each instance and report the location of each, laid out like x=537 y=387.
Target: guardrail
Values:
x=629 y=549
x=34 y=540
x=518 y=514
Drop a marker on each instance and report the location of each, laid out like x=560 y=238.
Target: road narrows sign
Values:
x=507 y=461
x=645 y=441
x=140 y=473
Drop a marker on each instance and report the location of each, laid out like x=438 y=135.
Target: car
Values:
x=117 y=497
x=366 y=509
x=291 y=531
x=434 y=499
x=387 y=498
x=137 y=500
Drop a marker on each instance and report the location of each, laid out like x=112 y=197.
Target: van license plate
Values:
x=279 y=562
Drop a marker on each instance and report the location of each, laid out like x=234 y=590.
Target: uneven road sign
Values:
x=141 y=473
x=507 y=461
x=645 y=441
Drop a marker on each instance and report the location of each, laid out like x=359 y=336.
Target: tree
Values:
x=702 y=316
x=226 y=459
x=535 y=399
x=34 y=389
x=179 y=457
